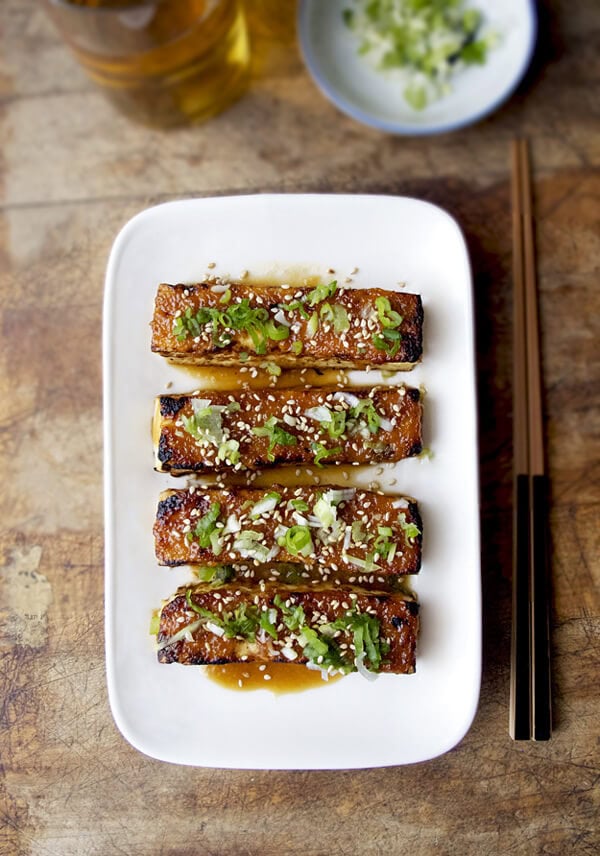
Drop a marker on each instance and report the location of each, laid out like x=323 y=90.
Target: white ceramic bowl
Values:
x=375 y=98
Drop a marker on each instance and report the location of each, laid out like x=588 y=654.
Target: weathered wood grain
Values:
x=71 y=173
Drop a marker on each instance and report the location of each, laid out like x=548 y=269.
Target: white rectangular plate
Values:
x=175 y=713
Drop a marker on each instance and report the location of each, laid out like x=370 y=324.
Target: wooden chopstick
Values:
x=530 y=699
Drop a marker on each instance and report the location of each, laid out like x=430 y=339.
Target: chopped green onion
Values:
x=267 y=622
x=296 y=348
x=388 y=340
x=226 y=296
x=365 y=410
x=367 y=564
x=295 y=305
x=337 y=424
x=335 y=496
x=312 y=645
x=474 y=53
x=423 y=42
x=238 y=316
x=297 y=541
x=411 y=530
x=277 y=436
x=325 y=512
x=335 y=315
x=299 y=504
x=293 y=616
x=416 y=96
x=359 y=533
x=322 y=452
x=154 y=624
x=268 y=503
x=321 y=293
x=217 y=574
x=321 y=413
x=341 y=322
x=206 y=526
x=313 y=325
x=244 y=622
x=326 y=313
x=216 y=541
x=229 y=450
x=321 y=651
x=200 y=610
x=387 y=316
x=277 y=332
x=248 y=545
x=271 y=367
x=367 y=642
x=205 y=425
x=383 y=546
x=332 y=421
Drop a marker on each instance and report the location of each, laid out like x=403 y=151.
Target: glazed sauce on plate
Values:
x=278 y=678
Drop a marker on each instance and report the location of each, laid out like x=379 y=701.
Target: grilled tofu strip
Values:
x=326 y=326
x=249 y=430
x=353 y=534
x=336 y=630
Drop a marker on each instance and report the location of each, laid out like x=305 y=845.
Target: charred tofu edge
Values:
x=341 y=533
x=338 y=631
x=321 y=327
x=256 y=429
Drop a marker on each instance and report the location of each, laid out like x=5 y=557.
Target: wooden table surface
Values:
x=71 y=173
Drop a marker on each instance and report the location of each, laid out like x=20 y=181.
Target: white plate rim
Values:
x=119 y=247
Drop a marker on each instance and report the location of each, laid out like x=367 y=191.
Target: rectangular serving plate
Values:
x=175 y=713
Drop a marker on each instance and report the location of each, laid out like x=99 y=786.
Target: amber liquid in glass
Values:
x=163 y=62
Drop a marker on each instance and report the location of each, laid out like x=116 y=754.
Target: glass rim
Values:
x=127 y=6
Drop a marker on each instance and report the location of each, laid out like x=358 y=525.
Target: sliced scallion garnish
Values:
x=388 y=340
x=411 y=530
x=387 y=316
x=297 y=541
x=269 y=502
x=205 y=526
x=365 y=411
x=299 y=504
x=277 y=436
x=238 y=316
x=423 y=43
x=322 y=452
x=321 y=293
x=200 y=610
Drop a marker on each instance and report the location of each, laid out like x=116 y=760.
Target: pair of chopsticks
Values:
x=530 y=698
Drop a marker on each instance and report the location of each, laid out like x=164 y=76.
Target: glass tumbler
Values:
x=161 y=62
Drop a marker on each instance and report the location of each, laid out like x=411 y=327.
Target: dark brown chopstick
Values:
x=530 y=699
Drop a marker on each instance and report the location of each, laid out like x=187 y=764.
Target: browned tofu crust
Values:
x=395 y=435
x=209 y=639
x=370 y=535
x=312 y=334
